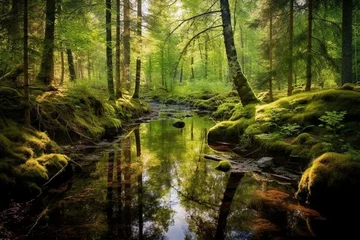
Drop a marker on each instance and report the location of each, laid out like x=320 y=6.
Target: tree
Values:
x=26 y=61
x=118 y=92
x=271 y=57
x=243 y=88
x=70 y=58
x=346 y=74
x=291 y=41
x=126 y=44
x=138 y=60
x=46 y=74
x=309 y=46
x=109 y=64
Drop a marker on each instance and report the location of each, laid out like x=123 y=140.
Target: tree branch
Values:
x=188 y=19
x=188 y=43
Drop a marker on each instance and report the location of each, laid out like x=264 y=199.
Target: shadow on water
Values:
x=154 y=183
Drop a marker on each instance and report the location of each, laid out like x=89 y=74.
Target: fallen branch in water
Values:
x=218 y=158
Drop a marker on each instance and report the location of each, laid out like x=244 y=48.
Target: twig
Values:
x=77 y=164
x=38 y=219
x=60 y=171
x=253 y=152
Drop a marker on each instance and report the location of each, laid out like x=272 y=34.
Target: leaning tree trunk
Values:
x=138 y=60
x=346 y=76
x=309 y=47
x=109 y=64
x=243 y=88
x=46 y=74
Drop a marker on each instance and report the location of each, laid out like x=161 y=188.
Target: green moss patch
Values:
x=224 y=166
x=331 y=181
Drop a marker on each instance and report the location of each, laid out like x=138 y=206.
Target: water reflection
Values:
x=229 y=193
x=155 y=184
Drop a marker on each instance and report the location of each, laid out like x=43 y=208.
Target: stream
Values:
x=154 y=183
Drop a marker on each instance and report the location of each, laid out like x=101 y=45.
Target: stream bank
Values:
x=154 y=182
x=30 y=159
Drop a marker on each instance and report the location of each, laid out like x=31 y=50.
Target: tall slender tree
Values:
x=346 y=75
x=309 y=46
x=46 y=74
x=109 y=64
x=126 y=44
x=26 y=61
x=271 y=95
x=139 y=49
x=70 y=58
x=243 y=88
x=118 y=92
x=291 y=43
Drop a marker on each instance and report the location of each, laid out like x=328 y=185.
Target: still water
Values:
x=154 y=183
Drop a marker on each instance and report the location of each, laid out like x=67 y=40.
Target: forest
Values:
x=179 y=119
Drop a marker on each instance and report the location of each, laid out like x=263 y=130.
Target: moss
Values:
x=6 y=181
x=53 y=162
x=319 y=149
x=5 y=145
x=331 y=180
x=254 y=129
x=34 y=139
x=304 y=139
x=243 y=112
x=224 y=166
x=228 y=131
x=224 y=111
x=32 y=170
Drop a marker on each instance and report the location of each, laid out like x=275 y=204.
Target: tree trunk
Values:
x=192 y=77
x=126 y=44
x=243 y=88
x=71 y=65
x=181 y=73
x=150 y=71
x=89 y=66
x=62 y=76
x=346 y=76
x=207 y=39
x=46 y=74
x=291 y=40
x=271 y=95
x=118 y=92
x=242 y=44
x=138 y=60
x=109 y=64
x=26 y=63
x=356 y=54
x=309 y=47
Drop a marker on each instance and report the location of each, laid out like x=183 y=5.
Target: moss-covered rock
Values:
x=224 y=111
x=331 y=183
x=304 y=139
x=224 y=165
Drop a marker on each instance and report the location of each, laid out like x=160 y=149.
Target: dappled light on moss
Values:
x=331 y=179
x=224 y=166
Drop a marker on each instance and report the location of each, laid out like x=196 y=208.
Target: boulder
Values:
x=179 y=124
x=265 y=162
x=330 y=185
